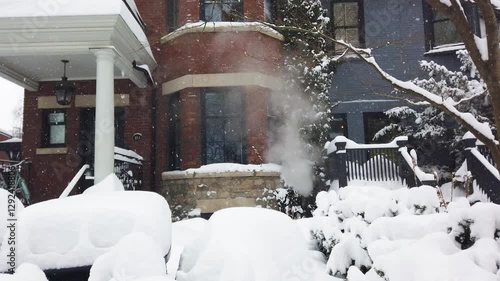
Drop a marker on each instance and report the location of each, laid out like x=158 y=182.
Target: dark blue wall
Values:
x=395 y=31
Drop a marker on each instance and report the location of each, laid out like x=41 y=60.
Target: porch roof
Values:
x=36 y=35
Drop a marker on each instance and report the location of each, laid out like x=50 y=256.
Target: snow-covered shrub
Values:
x=370 y=233
x=435 y=135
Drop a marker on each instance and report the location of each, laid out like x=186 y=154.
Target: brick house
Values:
x=208 y=102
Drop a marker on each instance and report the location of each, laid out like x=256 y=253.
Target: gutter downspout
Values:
x=154 y=102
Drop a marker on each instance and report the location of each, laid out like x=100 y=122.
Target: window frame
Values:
x=172 y=15
x=174 y=132
x=471 y=12
x=241 y=9
x=46 y=133
x=361 y=20
x=242 y=117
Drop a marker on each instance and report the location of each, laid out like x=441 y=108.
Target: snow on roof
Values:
x=202 y=26
x=12 y=140
x=227 y=168
x=129 y=156
x=41 y=9
x=2 y=132
x=74 y=231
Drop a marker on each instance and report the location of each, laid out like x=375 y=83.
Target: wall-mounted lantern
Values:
x=64 y=90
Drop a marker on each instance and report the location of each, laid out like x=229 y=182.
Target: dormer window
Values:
x=221 y=10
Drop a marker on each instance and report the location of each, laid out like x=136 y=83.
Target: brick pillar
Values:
x=254 y=10
x=256 y=124
x=189 y=11
x=190 y=128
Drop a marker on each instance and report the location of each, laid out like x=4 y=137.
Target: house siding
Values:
x=395 y=31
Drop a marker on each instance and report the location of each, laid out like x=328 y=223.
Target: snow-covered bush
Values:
x=435 y=134
x=370 y=233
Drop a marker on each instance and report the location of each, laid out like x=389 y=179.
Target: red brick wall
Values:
x=221 y=52
x=254 y=10
x=3 y=155
x=50 y=174
x=256 y=124
x=190 y=105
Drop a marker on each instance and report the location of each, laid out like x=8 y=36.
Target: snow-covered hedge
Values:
x=373 y=234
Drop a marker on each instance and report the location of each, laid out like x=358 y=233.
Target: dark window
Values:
x=174 y=126
x=440 y=30
x=347 y=22
x=221 y=10
x=55 y=128
x=224 y=130
x=172 y=14
x=339 y=125
x=120 y=116
x=374 y=122
x=444 y=30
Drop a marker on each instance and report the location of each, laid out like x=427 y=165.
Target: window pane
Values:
x=339 y=14
x=214 y=104
x=233 y=129
x=213 y=12
x=445 y=33
x=234 y=152
x=233 y=103
x=57 y=134
x=55 y=118
x=215 y=152
x=215 y=130
x=352 y=36
x=351 y=14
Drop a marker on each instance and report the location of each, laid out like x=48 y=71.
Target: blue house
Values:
x=400 y=33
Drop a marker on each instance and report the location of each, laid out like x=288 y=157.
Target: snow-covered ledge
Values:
x=225 y=170
x=218 y=186
x=203 y=27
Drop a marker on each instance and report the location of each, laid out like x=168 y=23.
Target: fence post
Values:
x=341 y=163
x=405 y=171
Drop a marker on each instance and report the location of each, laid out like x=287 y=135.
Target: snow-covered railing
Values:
x=128 y=168
x=349 y=161
x=482 y=168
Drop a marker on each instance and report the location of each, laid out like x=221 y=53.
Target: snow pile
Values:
x=183 y=233
x=249 y=244
x=110 y=183
x=25 y=272
x=374 y=234
x=135 y=256
x=74 y=231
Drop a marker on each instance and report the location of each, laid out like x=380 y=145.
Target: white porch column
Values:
x=105 y=115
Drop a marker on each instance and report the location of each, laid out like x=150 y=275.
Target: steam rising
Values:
x=287 y=147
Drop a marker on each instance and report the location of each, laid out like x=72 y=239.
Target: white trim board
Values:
x=221 y=80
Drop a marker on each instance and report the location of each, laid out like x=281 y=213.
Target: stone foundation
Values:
x=211 y=192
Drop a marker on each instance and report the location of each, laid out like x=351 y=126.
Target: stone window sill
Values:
x=52 y=151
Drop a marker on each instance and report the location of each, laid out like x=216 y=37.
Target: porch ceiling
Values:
x=29 y=56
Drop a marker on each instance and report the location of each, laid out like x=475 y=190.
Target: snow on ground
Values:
x=74 y=231
x=373 y=234
x=25 y=272
x=135 y=256
x=247 y=244
x=183 y=233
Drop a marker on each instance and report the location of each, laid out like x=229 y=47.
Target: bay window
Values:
x=221 y=10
